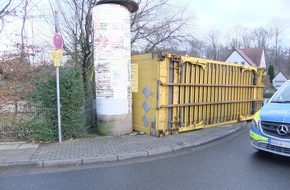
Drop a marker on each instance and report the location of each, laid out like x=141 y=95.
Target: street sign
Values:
x=57 y=41
x=57 y=56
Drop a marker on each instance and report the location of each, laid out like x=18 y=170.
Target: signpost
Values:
x=57 y=56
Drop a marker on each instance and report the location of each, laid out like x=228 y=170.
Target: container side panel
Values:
x=188 y=93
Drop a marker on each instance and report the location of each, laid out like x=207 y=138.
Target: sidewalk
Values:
x=105 y=149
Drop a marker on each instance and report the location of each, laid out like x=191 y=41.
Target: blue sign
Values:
x=58 y=41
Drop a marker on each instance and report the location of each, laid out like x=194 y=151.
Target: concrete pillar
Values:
x=112 y=61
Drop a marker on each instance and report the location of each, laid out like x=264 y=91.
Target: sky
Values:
x=37 y=31
x=224 y=14
x=221 y=15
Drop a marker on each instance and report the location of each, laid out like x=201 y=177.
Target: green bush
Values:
x=44 y=126
x=41 y=127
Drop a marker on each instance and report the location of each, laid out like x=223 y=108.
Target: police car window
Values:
x=283 y=95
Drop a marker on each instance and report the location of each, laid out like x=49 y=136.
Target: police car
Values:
x=270 y=128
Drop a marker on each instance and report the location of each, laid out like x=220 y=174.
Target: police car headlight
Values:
x=256 y=122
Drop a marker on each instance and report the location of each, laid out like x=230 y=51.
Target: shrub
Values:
x=271 y=72
x=44 y=126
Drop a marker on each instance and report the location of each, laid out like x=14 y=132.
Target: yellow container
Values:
x=173 y=93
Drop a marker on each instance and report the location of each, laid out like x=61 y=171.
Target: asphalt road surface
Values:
x=230 y=163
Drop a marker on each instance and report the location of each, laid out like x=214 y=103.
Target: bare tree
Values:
x=75 y=20
x=261 y=37
x=7 y=9
x=24 y=18
x=28 y=10
x=238 y=37
x=197 y=48
x=77 y=29
x=4 y=10
x=156 y=25
x=214 y=47
x=278 y=26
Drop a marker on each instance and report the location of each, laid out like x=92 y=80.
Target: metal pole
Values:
x=58 y=105
x=57 y=85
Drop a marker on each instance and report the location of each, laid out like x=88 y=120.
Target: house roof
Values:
x=246 y=57
x=280 y=74
x=252 y=55
x=255 y=54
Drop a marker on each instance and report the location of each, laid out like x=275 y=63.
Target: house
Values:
x=248 y=56
x=278 y=80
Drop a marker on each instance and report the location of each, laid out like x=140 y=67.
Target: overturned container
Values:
x=173 y=93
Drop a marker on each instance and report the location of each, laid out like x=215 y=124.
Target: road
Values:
x=230 y=163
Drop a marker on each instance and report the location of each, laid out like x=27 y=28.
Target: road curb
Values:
x=117 y=157
x=109 y=158
x=22 y=163
x=126 y=156
x=217 y=138
x=49 y=163
x=158 y=151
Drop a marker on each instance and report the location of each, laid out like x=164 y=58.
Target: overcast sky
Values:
x=225 y=14
x=221 y=15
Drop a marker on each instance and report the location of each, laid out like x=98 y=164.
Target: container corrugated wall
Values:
x=174 y=94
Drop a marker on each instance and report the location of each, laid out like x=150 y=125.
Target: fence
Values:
x=17 y=114
x=176 y=94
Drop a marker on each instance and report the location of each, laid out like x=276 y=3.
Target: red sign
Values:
x=57 y=41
